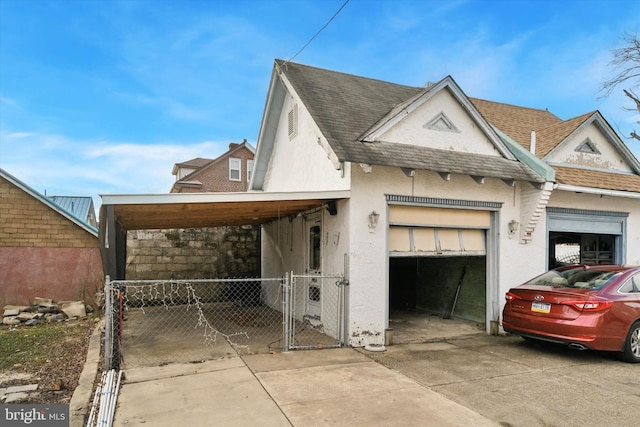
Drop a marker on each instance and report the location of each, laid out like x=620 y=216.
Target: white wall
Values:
x=304 y=163
x=469 y=138
x=369 y=254
x=608 y=159
x=285 y=249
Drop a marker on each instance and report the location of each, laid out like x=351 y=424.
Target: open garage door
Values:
x=585 y=237
x=437 y=268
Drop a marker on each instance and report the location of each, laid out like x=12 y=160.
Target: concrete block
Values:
x=34 y=321
x=74 y=309
x=11 y=320
x=22 y=388
x=25 y=315
x=42 y=301
x=15 y=397
x=16 y=307
x=11 y=312
x=50 y=318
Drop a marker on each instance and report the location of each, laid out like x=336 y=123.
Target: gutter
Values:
x=597 y=191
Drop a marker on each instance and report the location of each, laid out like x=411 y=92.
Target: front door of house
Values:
x=313 y=291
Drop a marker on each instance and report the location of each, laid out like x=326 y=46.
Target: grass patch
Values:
x=32 y=344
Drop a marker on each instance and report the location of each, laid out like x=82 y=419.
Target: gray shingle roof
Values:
x=345 y=106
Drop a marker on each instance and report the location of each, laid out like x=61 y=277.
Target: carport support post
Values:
x=286 y=312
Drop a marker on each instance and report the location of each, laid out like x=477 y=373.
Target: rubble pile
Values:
x=44 y=310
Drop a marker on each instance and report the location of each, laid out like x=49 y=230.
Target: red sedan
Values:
x=593 y=307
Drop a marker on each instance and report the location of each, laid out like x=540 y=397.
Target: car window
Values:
x=631 y=286
x=580 y=277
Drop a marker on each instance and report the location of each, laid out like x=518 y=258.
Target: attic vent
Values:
x=588 y=147
x=442 y=123
x=292 y=119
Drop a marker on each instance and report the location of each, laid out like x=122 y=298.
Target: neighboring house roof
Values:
x=49 y=203
x=81 y=207
x=517 y=122
x=202 y=165
x=551 y=132
x=196 y=163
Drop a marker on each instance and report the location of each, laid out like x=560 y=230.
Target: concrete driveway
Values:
x=516 y=383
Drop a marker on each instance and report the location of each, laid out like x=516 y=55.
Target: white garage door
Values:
x=419 y=231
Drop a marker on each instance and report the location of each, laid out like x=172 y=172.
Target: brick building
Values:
x=45 y=251
x=230 y=172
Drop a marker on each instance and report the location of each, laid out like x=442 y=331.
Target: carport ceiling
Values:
x=196 y=210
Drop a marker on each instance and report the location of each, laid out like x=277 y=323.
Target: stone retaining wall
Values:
x=190 y=253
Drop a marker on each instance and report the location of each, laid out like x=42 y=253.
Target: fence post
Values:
x=286 y=312
x=108 y=325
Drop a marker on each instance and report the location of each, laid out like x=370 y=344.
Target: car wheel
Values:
x=631 y=350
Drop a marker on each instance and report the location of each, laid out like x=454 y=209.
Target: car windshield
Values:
x=584 y=278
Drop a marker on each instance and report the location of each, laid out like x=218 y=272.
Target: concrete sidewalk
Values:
x=302 y=388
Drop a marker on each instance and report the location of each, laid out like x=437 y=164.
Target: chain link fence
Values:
x=155 y=322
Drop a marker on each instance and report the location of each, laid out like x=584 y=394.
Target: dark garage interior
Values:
x=422 y=291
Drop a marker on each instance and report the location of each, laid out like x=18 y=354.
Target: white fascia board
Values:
x=268 y=129
x=598 y=191
x=618 y=143
x=257 y=196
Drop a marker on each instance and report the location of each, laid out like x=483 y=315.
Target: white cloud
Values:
x=8 y=101
x=65 y=166
x=18 y=135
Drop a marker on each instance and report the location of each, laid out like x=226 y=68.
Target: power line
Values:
x=316 y=34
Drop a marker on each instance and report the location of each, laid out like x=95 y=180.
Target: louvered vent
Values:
x=293 y=121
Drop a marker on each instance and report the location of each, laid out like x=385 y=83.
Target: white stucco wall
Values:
x=608 y=159
x=369 y=253
x=285 y=249
x=304 y=163
x=469 y=138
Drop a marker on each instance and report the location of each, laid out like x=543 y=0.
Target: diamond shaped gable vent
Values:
x=442 y=123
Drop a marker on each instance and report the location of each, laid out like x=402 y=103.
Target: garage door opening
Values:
x=434 y=298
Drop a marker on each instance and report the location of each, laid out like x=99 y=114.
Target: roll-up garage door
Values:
x=419 y=231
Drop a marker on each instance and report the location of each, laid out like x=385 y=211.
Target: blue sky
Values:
x=103 y=97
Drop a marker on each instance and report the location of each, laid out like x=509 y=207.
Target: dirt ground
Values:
x=58 y=364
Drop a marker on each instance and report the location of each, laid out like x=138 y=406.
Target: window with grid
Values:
x=235 y=169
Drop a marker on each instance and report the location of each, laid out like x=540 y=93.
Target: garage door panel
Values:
x=439 y=217
x=424 y=239
x=399 y=240
x=473 y=240
x=449 y=240
x=440 y=241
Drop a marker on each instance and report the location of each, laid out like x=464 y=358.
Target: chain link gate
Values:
x=152 y=322
x=316 y=312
